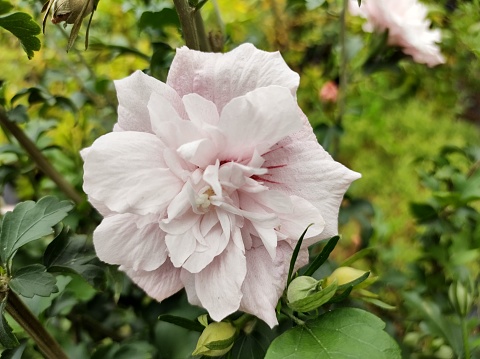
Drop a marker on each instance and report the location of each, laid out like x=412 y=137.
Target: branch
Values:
x=41 y=161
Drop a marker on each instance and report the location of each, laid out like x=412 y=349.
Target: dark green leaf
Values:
x=344 y=333
x=220 y=344
x=7 y=339
x=5 y=7
x=25 y=29
x=158 y=20
x=30 y=221
x=323 y=256
x=33 y=280
x=295 y=253
x=68 y=254
x=182 y=322
x=354 y=282
x=15 y=353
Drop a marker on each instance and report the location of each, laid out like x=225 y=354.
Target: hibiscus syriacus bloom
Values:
x=407 y=25
x=208 y=181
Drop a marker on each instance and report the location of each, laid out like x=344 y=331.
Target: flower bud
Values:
x=329 y=92
x=344 y=275
x=69 y=10
x=301 y=287
x=460 y=298
x=216 y=340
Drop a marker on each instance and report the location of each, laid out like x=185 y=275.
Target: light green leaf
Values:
x=344 y=333
x=7 y=339
x=25 y=29
x=33 y=280
x=30 y=221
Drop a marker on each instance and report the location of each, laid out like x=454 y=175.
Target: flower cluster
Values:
x=208 y=180
x=407 y=25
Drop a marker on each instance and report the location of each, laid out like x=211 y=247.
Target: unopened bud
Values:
x=301 y=287
x=69 y=10
x=344 y=275
x=216 y=340
x=329 y=92
x=460 y=298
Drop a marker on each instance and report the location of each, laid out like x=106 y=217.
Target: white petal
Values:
x=265 y=281
x=158 y=284
x=257 y=121
x=200 y=111
x=126 y=172
x=222 y=77
x=201 y=152
x=133 y=94
x=180 y=247
x=218 y=286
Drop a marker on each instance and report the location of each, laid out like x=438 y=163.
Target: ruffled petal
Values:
x=125 y=171
x=158 y=284
x=257 y=121
x=123 y=239
x=218 y=286
x=222 y=77
x=180 y=247
x=265 y=281
x=133 y=94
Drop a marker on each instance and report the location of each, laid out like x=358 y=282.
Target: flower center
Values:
x=203 y=200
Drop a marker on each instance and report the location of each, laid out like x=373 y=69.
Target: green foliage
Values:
x=7 y=339
x=29 y=221
x=327 y=337
x=23 y=27
x=33 y=280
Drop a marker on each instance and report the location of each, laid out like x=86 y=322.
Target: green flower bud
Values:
x=460 y=298
x=301 y=287
x=344 y=275
x=216 y=340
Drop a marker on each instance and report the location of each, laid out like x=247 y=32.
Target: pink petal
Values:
x=121 y=239
x=158 y=284
x=200 y=110
x=180 y=247
x=222 y=77
x=126 y=172
x=133 y=94
x=266 y=280
x=310 y=173
x=218 y=286
x=258 y=120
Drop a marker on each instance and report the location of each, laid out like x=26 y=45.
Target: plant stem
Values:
x=192 y=26
x=466 y=345
x=42 y=162
x=32 y=326
x=343 y=78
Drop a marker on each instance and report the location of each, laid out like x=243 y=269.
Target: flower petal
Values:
x=258 y=120
x=222 y=77
x=180 y=247
x=126 y=172
x=218 y=286
x=158 y=284
x=133 y=94
x=122 y=239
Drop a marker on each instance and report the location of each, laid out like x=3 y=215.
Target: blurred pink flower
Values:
x=328 y=92
x=208 y=181
x=407 y=25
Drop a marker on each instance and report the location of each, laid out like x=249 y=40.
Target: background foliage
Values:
x=412 y=131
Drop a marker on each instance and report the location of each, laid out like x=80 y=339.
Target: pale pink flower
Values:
x=208 y=181
x=407 y=25
x=328 y=92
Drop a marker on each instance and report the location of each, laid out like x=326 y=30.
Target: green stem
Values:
x=343 y=77
x=41 y=161
x=244 y=319
x=466 y=345
x=201 y=33
x=32 y=326
x=187 y=21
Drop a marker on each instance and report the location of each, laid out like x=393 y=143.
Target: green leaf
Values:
x=344 y=333
x=7 y=339
x=315 y=300
x=295 y=253
x=25 y=29
x=15 y=353
x=182 y=322
x=158 y=20
x=68 y=254
x=5 y=7
x=30 y=221
x=33 y=280
x=323 y=256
